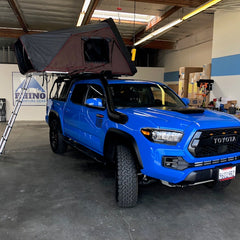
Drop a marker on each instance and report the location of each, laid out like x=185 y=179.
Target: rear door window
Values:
x=79 y=93
x=60 y=90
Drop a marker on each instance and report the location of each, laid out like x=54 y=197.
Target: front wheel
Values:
x=57 y=142
x=126 y=178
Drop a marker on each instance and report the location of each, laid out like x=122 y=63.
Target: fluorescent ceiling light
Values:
x=122 y=16
x=149 y=36
x=201 y=8
x=83 y=12
x=171 y=24
x=166 y=27
x=158 y=31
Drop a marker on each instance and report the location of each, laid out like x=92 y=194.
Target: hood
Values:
x=179 y=119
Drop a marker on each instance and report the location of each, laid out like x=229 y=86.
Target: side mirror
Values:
x=186 y=101
x=94 y=102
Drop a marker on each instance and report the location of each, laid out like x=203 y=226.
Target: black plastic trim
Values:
x=188 y=110
x=115 y=136
x=205 y=175
x=112 y=114
x=53 y=112
x=88 y=152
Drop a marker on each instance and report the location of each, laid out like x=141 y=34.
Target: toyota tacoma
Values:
x=146 y=130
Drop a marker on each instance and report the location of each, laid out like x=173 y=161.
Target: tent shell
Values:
x=94 y=48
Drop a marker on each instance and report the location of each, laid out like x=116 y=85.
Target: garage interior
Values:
x=49 y=196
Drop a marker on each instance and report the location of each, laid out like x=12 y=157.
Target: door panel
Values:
x=84 y=123
x=73 y=113
x=94 y=118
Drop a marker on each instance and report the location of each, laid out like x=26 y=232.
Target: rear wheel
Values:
x=126 y=178
x=57 y=142
x=218 y=185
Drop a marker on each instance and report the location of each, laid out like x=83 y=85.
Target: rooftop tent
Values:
x=93 y=48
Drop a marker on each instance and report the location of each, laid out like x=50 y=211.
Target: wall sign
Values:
x=35 y=94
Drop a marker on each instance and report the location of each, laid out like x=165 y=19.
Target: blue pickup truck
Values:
x=146 y=130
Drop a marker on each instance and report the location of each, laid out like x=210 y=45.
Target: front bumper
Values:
x=205 y=175
x=203 y=169
x=152 y=155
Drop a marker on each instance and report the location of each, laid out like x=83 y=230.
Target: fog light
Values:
x=177 y=163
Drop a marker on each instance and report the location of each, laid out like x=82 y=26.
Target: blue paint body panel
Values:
x=89 y=127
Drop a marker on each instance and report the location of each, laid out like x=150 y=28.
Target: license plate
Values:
x=225 y=174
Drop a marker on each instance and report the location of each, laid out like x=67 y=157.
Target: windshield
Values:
x=144 y=95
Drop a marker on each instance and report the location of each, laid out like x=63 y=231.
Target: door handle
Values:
x=99 y=115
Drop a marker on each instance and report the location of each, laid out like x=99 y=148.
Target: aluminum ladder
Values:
x=14 y=114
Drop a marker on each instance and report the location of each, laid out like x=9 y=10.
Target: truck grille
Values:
x=214 y=142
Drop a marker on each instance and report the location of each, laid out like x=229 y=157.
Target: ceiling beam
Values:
x=14 y=33
x=157 y=20
x=180 y=3
x=154 y=44
x=18 y=15
x=166 y=45
x=90 y=12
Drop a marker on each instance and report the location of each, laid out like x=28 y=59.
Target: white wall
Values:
x=194 y=56
x=35 y=113
x=226 y=55
x=226 y=33
x=149 y=74
x=193 y=51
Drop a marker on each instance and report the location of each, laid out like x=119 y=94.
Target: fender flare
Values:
x=116 y=136
x=54 y=114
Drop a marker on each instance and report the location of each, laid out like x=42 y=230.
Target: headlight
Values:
x=162 y=136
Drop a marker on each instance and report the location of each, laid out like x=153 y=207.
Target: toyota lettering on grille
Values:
x=224 y=139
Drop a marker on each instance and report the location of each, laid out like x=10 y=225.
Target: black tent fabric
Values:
x=93 y=48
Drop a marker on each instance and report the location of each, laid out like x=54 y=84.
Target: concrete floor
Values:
x=52 y=197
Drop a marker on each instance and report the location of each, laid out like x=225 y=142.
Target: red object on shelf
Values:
x=119 y=8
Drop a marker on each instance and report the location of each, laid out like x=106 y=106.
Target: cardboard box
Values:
x=182 y=88
x=196 y=102
x=184 y=71
x=230 y=103
x=174 y=87
x=184 y=78
x=193 y=89
x=206 y=73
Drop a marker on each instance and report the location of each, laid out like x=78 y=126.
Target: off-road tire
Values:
x=218 y=185
x=126 y=178
x=58 y=145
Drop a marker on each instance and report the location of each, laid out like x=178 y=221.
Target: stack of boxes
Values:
x=184 y=79
x=194 y=92
x=231 y=103
x=206 y=73
x=188 y=87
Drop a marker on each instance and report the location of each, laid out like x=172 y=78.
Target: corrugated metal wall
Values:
x=7 y=55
